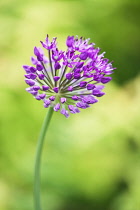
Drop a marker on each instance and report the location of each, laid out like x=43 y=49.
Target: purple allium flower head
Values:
x=68 y=80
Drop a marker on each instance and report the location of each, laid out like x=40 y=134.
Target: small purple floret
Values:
x=105 y=80
x=39 y=67
x=64 y=112
x=42 y=96
x=32 y=69
x=38 y=54
x=69 y=76
x=83 y=84
x=56 y=89
x=77 y=71
x=33 y=92
x=29 y=82
x=77 y=110
x=70 y=41
x=73 y=109
x=56 y=78
x=56 y=107
x=63 y=100
x=36 y=88
x=89 y=99
x=80 y=64
x=34 y=61
x=52 y=98
x=26 y=68
x=97 y=92
x=57 y=66
x=30 y=76
x=82 y=105
x=41 y=76
x=38 y=97
x=70 y=88
x=45 y=87
x=75 y=98
x=77 y=76
x=84 y=56
x=47 y=103
x=90 y=86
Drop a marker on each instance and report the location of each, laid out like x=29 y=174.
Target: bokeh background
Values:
x=91 y=161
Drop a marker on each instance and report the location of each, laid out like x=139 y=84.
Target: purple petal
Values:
x=42 y=96
x=34 y=61
x=26 y=68
x=69 y=76
x=63 y=100
x=39 y=67
x=82 y=105
x=44 y=87
x=29 y=89
x=83 y=55
x=30 y=76
x=64 y=112
x=33 y=76
x=105 y=79
x=44 y=45
x=34 y=93
x=41 y=76
x=57 y=66
x=40 y=58
x=79 y=64
x=70 y=41
x=89 y=99
x=77 y=71
x=52 y=98
x=32 y=69
x=97 y=78
x=56 y=78
x=77 y=110
x=75 y=98
x=47 y=103
x=38 y=97
x=90 y=86
x=36 y=88
x=77 y=76
x=72 y=109
x=56 y=107
x=83 y=84
x=70 y=88
x=56 y=89
x=36 y=51
x=99 y=87
x=29 y=82
x=97 y=92
x=27 y=76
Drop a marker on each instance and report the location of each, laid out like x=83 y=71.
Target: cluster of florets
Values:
x=68 y=80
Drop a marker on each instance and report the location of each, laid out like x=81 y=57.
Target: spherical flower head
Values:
x=68 y=80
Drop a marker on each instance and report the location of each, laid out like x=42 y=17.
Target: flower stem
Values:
x=41 y=138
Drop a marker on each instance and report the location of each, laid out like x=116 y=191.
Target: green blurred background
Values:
x=91 y=161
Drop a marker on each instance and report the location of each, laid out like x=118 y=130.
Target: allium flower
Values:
x=68 y=80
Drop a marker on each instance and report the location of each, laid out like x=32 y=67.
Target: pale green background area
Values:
x=91 y=161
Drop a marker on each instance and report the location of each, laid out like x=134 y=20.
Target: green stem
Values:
x=38 y=159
